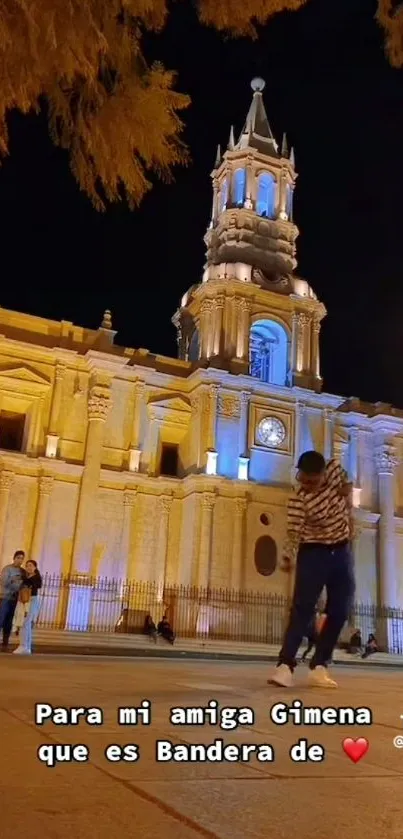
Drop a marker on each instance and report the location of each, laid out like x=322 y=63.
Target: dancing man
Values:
x=319 y=532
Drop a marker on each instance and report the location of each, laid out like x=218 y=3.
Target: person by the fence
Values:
x=11 y=579
x=371 y=646
x=319 y=533
x=32 y=585
x=165 y=630
x=355 y=644
x=150 y=628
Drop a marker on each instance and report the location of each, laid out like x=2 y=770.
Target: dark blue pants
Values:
x=319 y=566
x=7 y=609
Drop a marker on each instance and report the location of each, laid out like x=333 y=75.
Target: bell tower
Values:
x=251 y=313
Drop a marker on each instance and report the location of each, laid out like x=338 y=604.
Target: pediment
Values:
x=171 y=403
x=23 y=373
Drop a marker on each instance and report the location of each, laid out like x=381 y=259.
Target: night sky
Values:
x=330 y=87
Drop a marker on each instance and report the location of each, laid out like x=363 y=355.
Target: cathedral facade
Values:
x=121 y=463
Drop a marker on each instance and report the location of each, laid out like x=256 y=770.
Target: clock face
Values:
x=271 y=432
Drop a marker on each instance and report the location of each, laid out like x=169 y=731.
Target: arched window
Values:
x=265 y=556
x=288 y=201
x=266 y=195
x=194 y=349
x=268 y=352
x=239 y=187
x=223 y=196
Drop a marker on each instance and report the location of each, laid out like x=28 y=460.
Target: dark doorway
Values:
x=169 y=460
x=11 y=431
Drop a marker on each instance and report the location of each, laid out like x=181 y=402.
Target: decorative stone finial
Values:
x=107 y=321
x=258 y=84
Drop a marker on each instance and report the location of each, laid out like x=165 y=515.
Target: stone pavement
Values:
x=147 y=799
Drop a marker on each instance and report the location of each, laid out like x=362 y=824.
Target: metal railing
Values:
x=100 y=604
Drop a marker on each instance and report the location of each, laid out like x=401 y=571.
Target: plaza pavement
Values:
x=332 y=800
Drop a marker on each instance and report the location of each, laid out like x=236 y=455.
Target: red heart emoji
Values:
x=355 y=749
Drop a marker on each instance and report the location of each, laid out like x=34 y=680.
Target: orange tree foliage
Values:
x=118 y=118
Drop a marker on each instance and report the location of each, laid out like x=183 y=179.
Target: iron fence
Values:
x=98 y=604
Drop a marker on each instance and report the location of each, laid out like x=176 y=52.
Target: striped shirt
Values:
x=323 y=516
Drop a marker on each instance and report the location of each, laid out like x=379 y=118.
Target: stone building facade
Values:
x=126 y=464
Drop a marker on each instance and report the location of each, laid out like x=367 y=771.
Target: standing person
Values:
x=32 y=584
x=11 y=579
x=319 y=532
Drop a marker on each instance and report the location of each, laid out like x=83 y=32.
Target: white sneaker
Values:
x=319 y=678
x=21 y=651
x=282 y=676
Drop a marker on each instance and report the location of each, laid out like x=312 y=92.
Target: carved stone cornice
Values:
x=6 y=480
x=386 y=459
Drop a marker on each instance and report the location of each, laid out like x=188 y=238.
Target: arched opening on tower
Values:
x=268 y=352
x=239 y=187
x=223 y=197
x=194 y=346
x=266 y=195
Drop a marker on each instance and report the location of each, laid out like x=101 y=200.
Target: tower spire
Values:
x=256 y=132
x=292 y=158
x=217 y=157
x=231 y=141
x=284 y=146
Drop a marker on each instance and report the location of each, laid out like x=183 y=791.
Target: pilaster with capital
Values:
x=208 y=500
x=164 y=508
x=243 y=330
x=243 y=424
x=238 y=543
x=327 y=433
x=57 y=398
x=315 y=353
x=98 y=406
x=212 y=396
x=139 y=406
x=127 y=546
x=385 y=463
x=45 y=486
x=6 y=483
x=206 y=332
x=218 y=310
x=299 y=430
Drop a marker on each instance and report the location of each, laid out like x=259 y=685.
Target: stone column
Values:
x=353 y=457
x=127 y=558
x=136 y=435
x=98 y=404
x=52 y=437
x=45 y=486
x=237 y=544
x=386 y=461
x=294 y=344
x=218 y=310
x=196 y=430
x=243 y=425
x=305 y=341
x=315 y=354
x=327 y=434
x=6 y=482
x=242 y=340
x=206 y=533
x=205 y=329
x=212 y=417
x=214 y=212
x=299 y=428
x=164 y=508
x=36 y=426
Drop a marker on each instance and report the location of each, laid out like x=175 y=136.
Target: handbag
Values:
x=24 y=595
